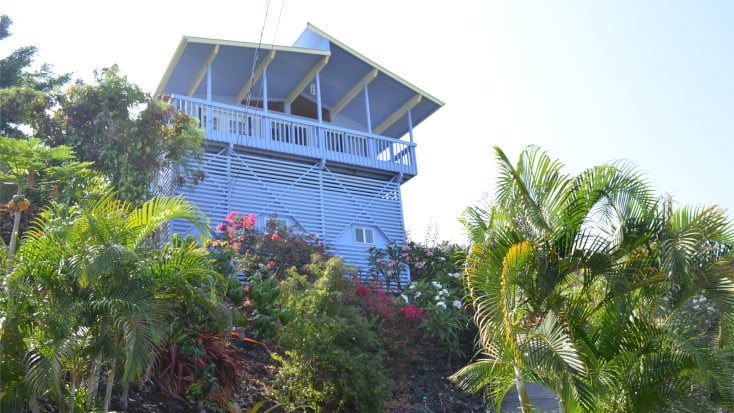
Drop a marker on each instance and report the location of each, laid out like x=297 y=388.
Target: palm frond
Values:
x=154 y=213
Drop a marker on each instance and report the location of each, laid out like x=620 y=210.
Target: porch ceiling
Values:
x=237 y=68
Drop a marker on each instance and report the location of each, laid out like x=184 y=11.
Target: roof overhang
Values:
x=237 y=75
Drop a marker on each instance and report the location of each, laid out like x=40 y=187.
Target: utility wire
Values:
x=257 y=53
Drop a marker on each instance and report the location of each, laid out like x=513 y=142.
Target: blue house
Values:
x=315 y=133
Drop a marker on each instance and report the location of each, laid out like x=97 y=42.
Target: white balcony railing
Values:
x=297 y=136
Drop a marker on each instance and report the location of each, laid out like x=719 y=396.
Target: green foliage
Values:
x=586 y=284
x=332 y=357
x=24 y=96
x=128 y=135
x=268 y=314
x=90 y=295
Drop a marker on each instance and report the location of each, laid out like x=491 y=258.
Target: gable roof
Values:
x=237 y=68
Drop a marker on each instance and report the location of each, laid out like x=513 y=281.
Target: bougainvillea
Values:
x=270 y=250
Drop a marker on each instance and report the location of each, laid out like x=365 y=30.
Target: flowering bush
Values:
x=390 y=262
x=268 y=251
x=396 y=323
x=435 y=289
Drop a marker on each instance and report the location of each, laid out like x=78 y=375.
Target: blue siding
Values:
x=310 y=195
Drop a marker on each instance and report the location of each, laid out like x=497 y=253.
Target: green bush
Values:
x=332 y=356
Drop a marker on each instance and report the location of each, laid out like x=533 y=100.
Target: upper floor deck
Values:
x=297 y=137
x=318 y=99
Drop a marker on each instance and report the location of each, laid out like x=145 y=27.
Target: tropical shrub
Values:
x=436 y=289
x=96 y=298
x=396 y=323
x=268 y=313
x=269 y=251
x=198 y=365
x=332 y=358
x=587 y=284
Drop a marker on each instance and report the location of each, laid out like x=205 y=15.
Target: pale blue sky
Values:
x=646 y=81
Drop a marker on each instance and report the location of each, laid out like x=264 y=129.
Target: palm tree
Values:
x=97 y=294
x=560 y=265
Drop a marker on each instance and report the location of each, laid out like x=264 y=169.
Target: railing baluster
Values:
x=285 y=133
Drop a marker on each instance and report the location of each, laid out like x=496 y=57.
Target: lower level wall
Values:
x=310 y=197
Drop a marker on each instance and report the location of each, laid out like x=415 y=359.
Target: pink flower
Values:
x=419 y=265
x=231 y=215
x=412 y=312
x=362 y=291
x=248 y=221
x=429 y=253
x=220 y=227
x=275 y=237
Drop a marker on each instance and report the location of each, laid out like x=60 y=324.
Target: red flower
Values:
x=248 y=221
x=275 y=237
x=231 y=215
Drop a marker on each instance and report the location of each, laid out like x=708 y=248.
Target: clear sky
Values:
x=648 y=81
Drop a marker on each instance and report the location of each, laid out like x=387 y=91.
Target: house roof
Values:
x=237 y=76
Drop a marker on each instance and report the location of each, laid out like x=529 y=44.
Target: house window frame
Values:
x=362 y=233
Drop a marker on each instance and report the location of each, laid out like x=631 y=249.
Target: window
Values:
x=364 y=236
x=274 y=224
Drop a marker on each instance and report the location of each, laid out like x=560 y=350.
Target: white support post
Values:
x=367 y=109
x=265 y=90
x=410 y=125
x=318 y=96
x=209 y=82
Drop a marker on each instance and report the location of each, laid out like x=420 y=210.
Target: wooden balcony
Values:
x=294 y=137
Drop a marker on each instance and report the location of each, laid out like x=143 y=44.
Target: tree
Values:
x=98 y=297
x=567 y=274
x=27 y=163
x=130 y=137
x=23 y=95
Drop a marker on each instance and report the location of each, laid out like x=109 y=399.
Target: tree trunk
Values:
x=13 y=240
x=93 y=381
x=522 y=391
x=72 y=394
x=108 y=391
x=33 y=403
x=125 y=394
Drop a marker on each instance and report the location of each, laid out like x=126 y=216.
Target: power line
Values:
x=257 y=53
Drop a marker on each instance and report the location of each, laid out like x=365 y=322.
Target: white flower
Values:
x=437 y=298
x=455 y=275
x=444 y=292
x=441 y=304
x=437 y=284
x=457 y=303
x=417 y=294
x=412 y=286
x=405 y=297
